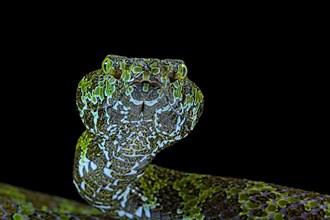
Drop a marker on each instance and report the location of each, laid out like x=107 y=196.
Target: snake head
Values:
x=140 y=92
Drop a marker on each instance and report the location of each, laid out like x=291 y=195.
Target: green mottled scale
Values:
x=133 y=108
x=18 y=203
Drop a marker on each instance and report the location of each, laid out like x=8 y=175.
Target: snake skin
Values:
x=133 y=108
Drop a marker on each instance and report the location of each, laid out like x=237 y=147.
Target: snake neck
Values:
x=106 y=168
x=125 y=163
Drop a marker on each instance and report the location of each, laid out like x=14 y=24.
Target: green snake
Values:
x=132 y=109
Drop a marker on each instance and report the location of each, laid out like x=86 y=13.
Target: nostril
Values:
x=171 y=76
x=118 y=74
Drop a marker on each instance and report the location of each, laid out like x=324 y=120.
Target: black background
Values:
x=263 y=117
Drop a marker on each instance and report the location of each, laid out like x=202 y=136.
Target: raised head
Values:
x=132 y=109
x=143 y=92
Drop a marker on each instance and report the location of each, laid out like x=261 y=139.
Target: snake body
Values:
x=132 y=109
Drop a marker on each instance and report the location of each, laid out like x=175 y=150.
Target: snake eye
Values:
x=182 y=73
x=106 y=65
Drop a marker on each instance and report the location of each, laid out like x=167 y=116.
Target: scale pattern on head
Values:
x=132 y=92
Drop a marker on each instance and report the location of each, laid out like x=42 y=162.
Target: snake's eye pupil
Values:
x=105 y=66
x=184 y=71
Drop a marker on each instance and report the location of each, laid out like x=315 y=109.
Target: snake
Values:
x=132 y=109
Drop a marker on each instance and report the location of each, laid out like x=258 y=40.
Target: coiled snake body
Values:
x=133 y=108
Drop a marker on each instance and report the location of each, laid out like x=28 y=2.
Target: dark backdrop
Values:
x=263 y=116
